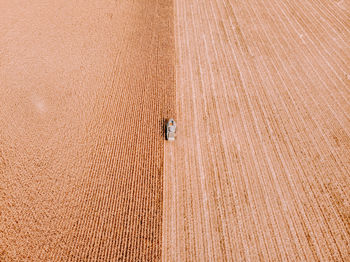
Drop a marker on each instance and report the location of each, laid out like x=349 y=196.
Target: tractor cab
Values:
x=170 y=131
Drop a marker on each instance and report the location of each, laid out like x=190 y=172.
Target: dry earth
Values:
x=261 y=167
x=259 y=171
x=82 y=101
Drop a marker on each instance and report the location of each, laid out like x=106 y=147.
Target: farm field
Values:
x=82 y=97
x=260 y=169
x=260 y=91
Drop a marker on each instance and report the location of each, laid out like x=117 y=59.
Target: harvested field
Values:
x=82 y=98
x=260 y=169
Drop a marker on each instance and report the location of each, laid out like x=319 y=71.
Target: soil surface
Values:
x=260 y=168
x=83 y=93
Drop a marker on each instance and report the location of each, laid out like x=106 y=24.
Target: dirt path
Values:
x=82 y=95
x=260 y=169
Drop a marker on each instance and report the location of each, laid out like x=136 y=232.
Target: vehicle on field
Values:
x=170 y=130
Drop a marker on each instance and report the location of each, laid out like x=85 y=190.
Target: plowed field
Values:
x=260 y=170
x=82 y=97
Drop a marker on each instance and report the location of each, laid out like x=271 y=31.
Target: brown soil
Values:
x=260 y=169
x=83 y=95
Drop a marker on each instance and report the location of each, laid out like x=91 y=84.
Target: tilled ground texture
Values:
x=84 y=88
x=260 y=169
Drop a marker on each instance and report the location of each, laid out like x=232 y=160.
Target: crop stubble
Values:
x=85 y=86
x=259 y=170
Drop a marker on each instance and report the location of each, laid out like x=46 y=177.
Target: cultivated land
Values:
x=260 y=168
x=82 y=101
